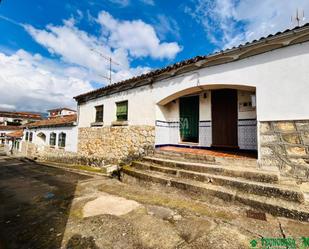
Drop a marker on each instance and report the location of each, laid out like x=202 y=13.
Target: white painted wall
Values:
x=281 y=78
x=71 y=137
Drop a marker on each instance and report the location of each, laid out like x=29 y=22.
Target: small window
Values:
x=61 y=140
x=99 y=110
x=30 y=136
x=52 y=139
x=27 y=136
x=122 y=111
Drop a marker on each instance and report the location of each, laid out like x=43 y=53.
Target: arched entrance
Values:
x=41 y=139
x=211 y=116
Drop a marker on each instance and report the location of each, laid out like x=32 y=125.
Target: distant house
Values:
x=13 y=140
x=58 y=112
x=56 y=134
x=5 y=130
x=18 y=118
x=252 y=97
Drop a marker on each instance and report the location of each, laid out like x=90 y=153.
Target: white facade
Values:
x=41 y=137
x=280 y=79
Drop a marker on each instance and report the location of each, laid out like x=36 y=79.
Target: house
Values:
x=5 y=130
x=18 y=118
x=13 y=140
x=55 y=135
x=253 y=97
x=60 y=112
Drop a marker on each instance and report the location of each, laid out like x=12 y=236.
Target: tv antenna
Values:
x=110 y=60
x=299 y=17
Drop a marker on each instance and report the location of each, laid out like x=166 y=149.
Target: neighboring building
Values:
x=13 y=140
x=55 y=135
x=6 y=129
x=18 y=118
x=251 y=97
x=58 y=112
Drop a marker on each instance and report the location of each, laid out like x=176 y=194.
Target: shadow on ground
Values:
x=35 y=203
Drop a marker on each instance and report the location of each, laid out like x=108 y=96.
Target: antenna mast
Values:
x=299 y=17
x=110 y=60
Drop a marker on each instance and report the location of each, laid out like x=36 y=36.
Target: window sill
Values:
x=97 y=124
x=120 y=123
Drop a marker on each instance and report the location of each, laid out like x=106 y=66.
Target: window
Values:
x=99 y=114
x=30 y=136
x=61 y=140
x=27 y=136
x=122 y=111
x=52 y=139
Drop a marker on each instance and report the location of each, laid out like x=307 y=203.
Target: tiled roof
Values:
x=218 y=56
x=60 y=109
x=57 y=121
x=24 y=115
x=15 y=134
x=9 y=127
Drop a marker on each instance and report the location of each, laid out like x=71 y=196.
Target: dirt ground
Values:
x=46 y=207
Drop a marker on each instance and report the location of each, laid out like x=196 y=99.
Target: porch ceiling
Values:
x=202 y=88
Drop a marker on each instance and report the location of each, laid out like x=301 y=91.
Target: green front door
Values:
x=189 y=118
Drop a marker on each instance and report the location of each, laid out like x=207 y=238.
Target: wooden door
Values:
x=189 y=118
x=224 y=118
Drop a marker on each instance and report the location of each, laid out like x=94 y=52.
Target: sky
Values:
x=53 y=50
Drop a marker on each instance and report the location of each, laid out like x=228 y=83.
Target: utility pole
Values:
x=299 y=17
x=110 y=60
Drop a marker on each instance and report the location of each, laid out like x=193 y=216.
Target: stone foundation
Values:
x=285 y=145
x=116 y=144
x=30 y=150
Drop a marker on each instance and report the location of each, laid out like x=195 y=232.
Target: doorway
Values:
x=189 y=119
x=224 y=118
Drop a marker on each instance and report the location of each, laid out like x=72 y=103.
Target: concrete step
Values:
x=235 y=171
x=244 y=185
x=202 y=158
x=274 y=206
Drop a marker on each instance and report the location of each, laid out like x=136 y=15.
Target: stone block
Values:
x=296 y=151
x=285 y=126
x=266 y=151
x=265 y=127
x=291 y=138
x=302 y=125
x=268 y=139
x=305 y=137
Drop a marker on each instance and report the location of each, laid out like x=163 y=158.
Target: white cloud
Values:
x=124 y=41
x=30 y=82
x=137 y=37
x=166 y=25
x=33 y=82
x=230 y=22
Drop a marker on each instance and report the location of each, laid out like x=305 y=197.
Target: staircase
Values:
x=231 y=179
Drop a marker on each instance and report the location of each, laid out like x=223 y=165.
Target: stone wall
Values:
x=31 y=150
x=116 y=144
x=285 y=145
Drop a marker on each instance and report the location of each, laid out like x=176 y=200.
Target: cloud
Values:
x=136 y=37
x=166 y=25
x=34 y=82
x=230 y=22
x=31 y=82
x=123 y=41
